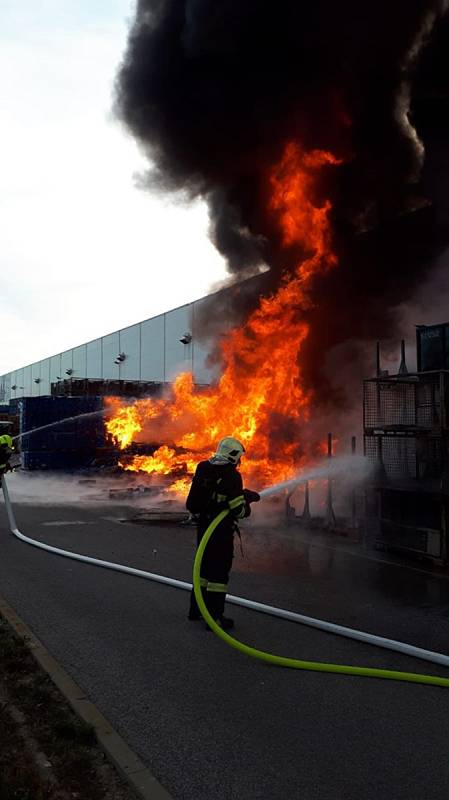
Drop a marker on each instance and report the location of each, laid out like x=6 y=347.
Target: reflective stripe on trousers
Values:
x=217 y=587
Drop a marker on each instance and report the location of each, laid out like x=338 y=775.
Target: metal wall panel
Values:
x=129 y=343
x=202 y=348
x=55 y=368
x=17 y=381
x=21 y=381
x=178 y=356
x=93 y=359
x=5 y=387
x=44 y=385
x=152 y=358
x=80 y=361
x=110 y=349
x=66 y=364
x=201 y=372
x=10 y=380
x=35 y=376
x=27 y=381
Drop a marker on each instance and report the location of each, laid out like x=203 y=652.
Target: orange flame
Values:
x=260 y=387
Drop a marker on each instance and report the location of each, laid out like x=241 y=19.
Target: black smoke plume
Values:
x=213 y=90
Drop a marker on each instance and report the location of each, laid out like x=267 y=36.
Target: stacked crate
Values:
x=68 y=445
x=100 y=387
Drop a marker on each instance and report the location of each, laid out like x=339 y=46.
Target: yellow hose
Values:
x=293 y=663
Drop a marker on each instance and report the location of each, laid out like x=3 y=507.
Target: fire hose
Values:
x=270 y=658
x=282 y=661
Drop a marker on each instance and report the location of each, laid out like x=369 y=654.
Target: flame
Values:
x=165 y=461
x=124 y=424
x=259 y=393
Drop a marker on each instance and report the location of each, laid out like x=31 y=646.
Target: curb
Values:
x=127 y=764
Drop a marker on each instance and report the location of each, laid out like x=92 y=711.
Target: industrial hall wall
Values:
x=156 y=349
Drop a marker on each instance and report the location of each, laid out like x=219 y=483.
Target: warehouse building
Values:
x=152 y=351
x=56 y=406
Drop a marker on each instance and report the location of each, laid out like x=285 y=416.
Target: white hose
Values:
x=328 y=627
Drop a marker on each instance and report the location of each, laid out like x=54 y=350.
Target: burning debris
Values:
x=296 y=127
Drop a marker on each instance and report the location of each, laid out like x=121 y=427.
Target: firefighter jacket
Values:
x=6 y=449
x=216 y=487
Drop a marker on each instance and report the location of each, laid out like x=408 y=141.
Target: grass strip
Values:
x=78 y=766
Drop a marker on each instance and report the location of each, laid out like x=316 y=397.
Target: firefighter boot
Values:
x=215 y=606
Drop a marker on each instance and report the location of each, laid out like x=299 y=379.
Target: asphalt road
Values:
x=209 y=722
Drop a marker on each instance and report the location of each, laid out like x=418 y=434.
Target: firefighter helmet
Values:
x=230 y=450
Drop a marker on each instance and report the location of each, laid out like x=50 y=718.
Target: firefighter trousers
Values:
x=215 y=568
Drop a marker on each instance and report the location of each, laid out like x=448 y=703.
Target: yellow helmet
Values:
x=230 y=450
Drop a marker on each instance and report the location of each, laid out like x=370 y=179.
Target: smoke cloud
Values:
x=213 y=91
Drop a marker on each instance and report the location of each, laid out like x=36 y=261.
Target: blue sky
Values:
x=82 y=251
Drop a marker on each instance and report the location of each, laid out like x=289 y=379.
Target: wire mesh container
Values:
x=409 y=402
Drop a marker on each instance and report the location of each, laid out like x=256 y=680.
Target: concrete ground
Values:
x=208 y=721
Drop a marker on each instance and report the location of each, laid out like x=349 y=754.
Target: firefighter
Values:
x=217 y=485
x=6 y=449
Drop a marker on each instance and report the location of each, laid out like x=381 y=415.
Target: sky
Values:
x=83 y=251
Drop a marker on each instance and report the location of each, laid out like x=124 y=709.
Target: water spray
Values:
x=98 y=413
x=328 y=470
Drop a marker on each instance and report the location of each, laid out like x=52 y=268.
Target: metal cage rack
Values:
x=406 y=438
x=414 y=403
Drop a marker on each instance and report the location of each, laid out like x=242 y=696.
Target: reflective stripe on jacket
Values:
x=6 y=449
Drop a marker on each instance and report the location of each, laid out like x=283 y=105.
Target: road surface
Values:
x=209 y=722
